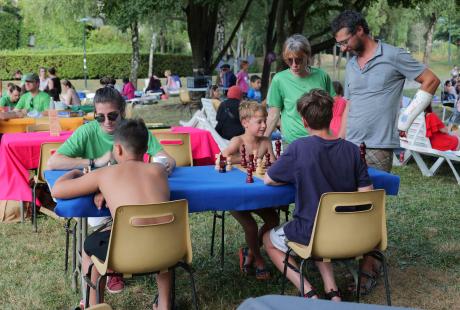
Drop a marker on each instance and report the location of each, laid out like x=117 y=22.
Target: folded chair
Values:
x=177 y=145
x=146 y=239
x=417 y=143
x=347 y=226
x=209 y=111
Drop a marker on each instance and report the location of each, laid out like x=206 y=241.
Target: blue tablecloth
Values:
x=207 y=190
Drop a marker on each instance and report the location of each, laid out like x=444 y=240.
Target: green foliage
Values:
x=99 y=64
x=108 y=36
x=9 y=30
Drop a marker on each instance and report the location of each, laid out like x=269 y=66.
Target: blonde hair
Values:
x=248 y=109
x=167 y=72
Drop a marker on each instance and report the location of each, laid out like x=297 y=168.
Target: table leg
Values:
x=77 y=247
x=21 y=209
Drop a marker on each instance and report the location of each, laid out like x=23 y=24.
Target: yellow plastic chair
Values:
x=177 y=145
x=146 y=239
x=15 y=125
x=71 y=123
x=184 y=96
x=347 y=226
x=38 y=128
x=46 y=150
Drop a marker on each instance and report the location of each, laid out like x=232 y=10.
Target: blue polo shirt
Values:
x=316 y=166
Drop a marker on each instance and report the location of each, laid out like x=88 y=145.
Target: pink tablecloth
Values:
x=204 y=148
x=20 y=152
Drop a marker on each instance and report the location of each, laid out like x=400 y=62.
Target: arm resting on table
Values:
x=269 y=181
x=75 y=184
x=61 y=162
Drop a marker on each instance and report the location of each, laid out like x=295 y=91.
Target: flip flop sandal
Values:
x=262 y=274
x=244 y=256
x=333 y=294
x=311 y=293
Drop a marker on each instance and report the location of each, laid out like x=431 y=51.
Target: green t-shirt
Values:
x=91 y=141
x=6 y=102
x=40 y=102
x=286 y=89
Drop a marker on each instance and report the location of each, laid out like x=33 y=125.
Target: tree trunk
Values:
x=153 y=46
x=201 y=28
x=269 y=48
x=135 y=56
x=429 y=38
x=162 y=40
x=220 y=31
x=281 y=33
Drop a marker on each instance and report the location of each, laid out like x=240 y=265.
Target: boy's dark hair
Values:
x=133 y=135
x=12 y=87
x=351 y=20
x=316 y=108
x=125 y=80
x=110 y=95
x=254 y=78
x=52 y=70
x=338 y=88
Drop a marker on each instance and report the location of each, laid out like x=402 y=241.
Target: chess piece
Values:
x=229 y=163
x=217 y=162
x=249 y=178
x=222 y=163
x=260 y=169
x=243 y=156
x=362 y=152
x=251 y=162
x=278 y=148
x=267 y=160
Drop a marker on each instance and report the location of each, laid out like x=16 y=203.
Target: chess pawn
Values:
x=278 y=148
x=249 y=178
x=229 y=163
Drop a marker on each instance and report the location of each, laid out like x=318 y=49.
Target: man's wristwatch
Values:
x=91 y=163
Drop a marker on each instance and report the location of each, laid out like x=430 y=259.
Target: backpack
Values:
x=176 y=79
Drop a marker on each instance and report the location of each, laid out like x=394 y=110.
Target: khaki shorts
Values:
x=380 y=158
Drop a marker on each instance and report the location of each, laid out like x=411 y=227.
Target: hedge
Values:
x=117 y=65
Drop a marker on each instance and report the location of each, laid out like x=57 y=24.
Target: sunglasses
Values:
x=112 y=116
x=297 y=61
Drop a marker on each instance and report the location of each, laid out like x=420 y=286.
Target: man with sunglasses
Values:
x=374 y=81
x=33 y=100
x=289 y=85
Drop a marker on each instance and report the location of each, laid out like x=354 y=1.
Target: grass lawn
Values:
x=424 y=257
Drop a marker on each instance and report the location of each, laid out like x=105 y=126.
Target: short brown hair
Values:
x=249 y=108
x=316 y=108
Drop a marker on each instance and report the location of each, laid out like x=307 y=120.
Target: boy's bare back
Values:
x=133 y=183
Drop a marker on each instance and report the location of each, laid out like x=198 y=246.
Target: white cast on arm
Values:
x=422 y=99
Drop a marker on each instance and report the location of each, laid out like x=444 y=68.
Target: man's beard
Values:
x=359 y=47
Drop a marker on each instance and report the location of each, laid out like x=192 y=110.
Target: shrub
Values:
x=9 y=30
x=117 y=65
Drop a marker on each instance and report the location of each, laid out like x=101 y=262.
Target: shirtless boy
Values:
x=253 y=117
x=130 y=182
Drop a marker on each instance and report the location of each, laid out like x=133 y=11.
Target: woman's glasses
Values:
x=112 y=116
x=296 y=60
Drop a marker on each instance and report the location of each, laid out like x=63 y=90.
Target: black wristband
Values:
x=91 y=163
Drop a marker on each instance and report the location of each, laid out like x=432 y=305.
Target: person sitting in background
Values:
x=54 y=84
x=17 y=76
x=10 y=99
x=33 y=100
x=128 y=89
x=242 y=78
x=337 y=111
x=172 y=83
x=438 y=133
x=253 y=116
x=228 y=117
x=142 y=183
x=154 y=85
x=214 y=95
x=254 y=91
x=312 y=164
x=69 y=95
x=43 y=78
x=449 y=91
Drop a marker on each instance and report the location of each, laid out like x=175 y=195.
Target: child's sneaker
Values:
x=115 y=284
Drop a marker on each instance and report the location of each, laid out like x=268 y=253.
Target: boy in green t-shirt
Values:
x=11 y=98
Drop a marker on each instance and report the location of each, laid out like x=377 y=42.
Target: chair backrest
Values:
x=38 y=128
x=149 y=238
x=177 y=145
x=349 y=224
x=208 y=109
x=47 y=149
x=184 y=96
x=416 y=135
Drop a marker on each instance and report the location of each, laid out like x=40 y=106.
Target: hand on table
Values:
x=103 y=160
